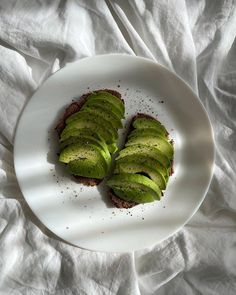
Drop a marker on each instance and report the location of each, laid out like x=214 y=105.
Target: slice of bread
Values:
x=74 y=107
x=117 y=201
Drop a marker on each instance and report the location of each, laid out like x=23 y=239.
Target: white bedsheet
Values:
x=196 y=40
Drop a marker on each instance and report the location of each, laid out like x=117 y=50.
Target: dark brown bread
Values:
x=118 y=202
x=74 y=107
x=87 y=181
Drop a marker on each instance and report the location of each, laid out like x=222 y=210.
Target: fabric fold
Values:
x=195 y=40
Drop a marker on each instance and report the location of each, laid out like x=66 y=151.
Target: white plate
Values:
x=82 y=215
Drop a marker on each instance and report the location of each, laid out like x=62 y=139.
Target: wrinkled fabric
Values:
x=194 y=39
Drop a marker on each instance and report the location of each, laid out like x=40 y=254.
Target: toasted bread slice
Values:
x=117 y=201
x=75 y=107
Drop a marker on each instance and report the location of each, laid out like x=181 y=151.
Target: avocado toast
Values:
x=143 y=167
x=88 y=132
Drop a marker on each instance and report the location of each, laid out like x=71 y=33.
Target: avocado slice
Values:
x=92 y=115
x=151 y=151
x=84 y=137
x=155 y=141
x=126 y=180
x=133 y=195
x=87 y=168
x=108 y=116
x=106 y=105
x=84 y=116
x=143 y=158
x=132 y=167
x=89 y=140
x=81 y=132
x=147 y=131
x=108 y=97
x=141 y=123
x=83 y=151
x=112 y=148
x=101 y=130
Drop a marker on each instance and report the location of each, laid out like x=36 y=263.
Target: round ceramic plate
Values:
x=83 y=215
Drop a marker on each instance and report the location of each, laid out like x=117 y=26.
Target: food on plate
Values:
x=143 y=167
x=88 y=133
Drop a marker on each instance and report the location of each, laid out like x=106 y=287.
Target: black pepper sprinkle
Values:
x=67 y=227
x=118 y=86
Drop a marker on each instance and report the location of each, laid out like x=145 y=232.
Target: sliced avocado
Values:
x=104 y=108
x=89 y=124
x=156 y=141
x=147 y=131
x=133 y=195
x=132 y=167
x=104 y=104
x=83 y=151
x=89 y=140
x=143 y=158
x=153 y=152
x=106 y=96
x=141 y=123
x=87 y=113
x=81 y=132
x=85 y=116
x=116 y=100
x=126 y=180
x=112 y=148
x=84 y=137
x=108 y=116
x=87 y=168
